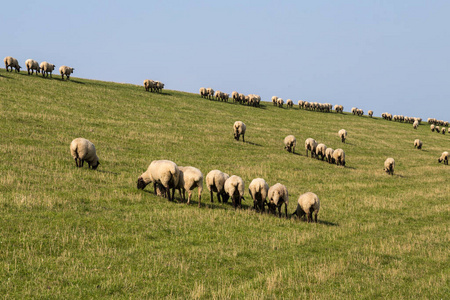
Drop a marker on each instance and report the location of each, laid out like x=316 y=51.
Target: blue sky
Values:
x=388 y=56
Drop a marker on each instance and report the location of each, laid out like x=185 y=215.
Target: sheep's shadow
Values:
x=351 y=168
x=253 y=144
x=107 y=172
x=74 y=81
x=322 y=222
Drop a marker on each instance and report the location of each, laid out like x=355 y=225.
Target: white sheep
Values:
x=159 y=86
x=234 y=187
x=46 y=68
x=443 y=130
x=289 y=143
x=418 y=144
x=280 y=102
x=65 y=70
x=415 y=124
x=190 y=178
x=310 y=144
x=215 y=182
x=210 y=92
x=444 y=157
x=258 y=190
x=320 y=150
x=203 y=92
x=31 y=65
x=354 y=110
x=277 y=195
x=339 y=157
x=289 y=103
x=329 y=155
x=343 y=134
x=308 y=203
x=161 y=172
x=370 y=113
x=83 y=150
x=235 y=96
x=432 y=127
x=389 y=165
x=238 y=130
x=12 y=63
x=275 y=100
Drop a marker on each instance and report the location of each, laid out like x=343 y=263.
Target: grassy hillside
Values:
x=78 y=233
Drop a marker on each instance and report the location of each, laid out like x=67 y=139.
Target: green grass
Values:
x=77 y=233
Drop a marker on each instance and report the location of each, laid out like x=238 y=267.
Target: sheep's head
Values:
x=236 y=135
x=225 y=197
x=141 y=183
x=95 y=166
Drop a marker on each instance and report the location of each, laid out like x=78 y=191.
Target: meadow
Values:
x=70 y=232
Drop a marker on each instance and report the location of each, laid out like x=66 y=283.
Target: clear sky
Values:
x=386 y=55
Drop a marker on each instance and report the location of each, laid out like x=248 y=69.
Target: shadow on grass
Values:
x=322 y=222
x=254 y=144
x=107 y=172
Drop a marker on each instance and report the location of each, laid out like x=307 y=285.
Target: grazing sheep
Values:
x=308 y=203
x=210 y=92
x=389 y=165
x=190 y=178
x=438 y=129
x=343 y=134
x=432 y=127
x=289 y=103
x=235 y=96
x=12 y=63
x=280 y=102
x=370 y=113
x=443 y=130
x=444 y=157
x=275 y=100
x=31 y=65
x=161 y=172
x=234 y=187
x=329 y=155
x=416 y=124
x=149 y=85
x=258 y=190
x=218 y=95
x=289 y=143
x=47 y=68
x=448 y=130
x=339 y=157
x=310 y=144
x=354 y=110
x=65 y=70
x=225 y=97
x=238 y=130
x=215 y=182
x=320 y=150
x=83 y=150
x=241 y=98
x=277 y=195
x=203 y=92
x=418 y=144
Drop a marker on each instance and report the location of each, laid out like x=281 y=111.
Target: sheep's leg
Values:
x=199 y=198
x=211 y=193
x=285 y=210
x=189 y=197
x=306 y=152
x=315 y=217
x=243 y=138
x=154 y=187
x=234 y=202
x=279 y=211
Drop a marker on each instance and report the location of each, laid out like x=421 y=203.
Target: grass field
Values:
x=78 y=233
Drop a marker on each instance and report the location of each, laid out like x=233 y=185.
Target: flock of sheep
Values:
x=45 y=68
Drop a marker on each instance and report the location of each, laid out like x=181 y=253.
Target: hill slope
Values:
x=83 y=233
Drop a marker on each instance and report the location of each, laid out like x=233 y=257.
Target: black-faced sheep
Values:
x=289 y=143
x=418 y=144
x=238 y=130
x=65 y=70
x=310 y=144
x=162 y=172
x=389 y=165
x=203 y=92
x=46 y=68
x=31 y=65
x=308 y=203
x=11 y=62
x=258 y=190
x=234 y=187
x=329 y=155
x=189 y=179
x=83 y=150
x=215 y=182
x=444 y=158
x=343 y=134
x=339 y=157
x=277 y=195
x=320 y=150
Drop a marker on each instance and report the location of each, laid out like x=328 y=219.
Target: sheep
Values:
x=31 y=65
x=65 y=70
x=308 y=203
x=218 y=95
x=354 y=110
x=289 y=103
x=310 y=144
x=210 y=93
x=320 y=150
x=438 y=129
x=444 y=157
x=47 y=68
x=234 y=187
x=280 y=102
x=448 y=130
x=149 y=85
x=258 y=190
x=432 y=127
x=190 y=178
x=215 y=182
x=289 y=143
x=370 y=113
x=443 y=130
x=277 y=195
x=238 y=130
x=275 y=100
x=225 y=97
x=203 y=93
x=416 y=124
x=338 y=108
x=418 y=144
x=12 y=63
x=161 y=172
x=343 y=134
x=241 y=98
x=159 y=86
x=83 y=150
x=389 y=165
x=235 y=96
x=329 y=155
x=339 y=157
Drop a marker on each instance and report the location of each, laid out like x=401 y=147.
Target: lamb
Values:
x=234 y=187
x=310 y=144
x=239 y=129
x=161 y=172
x=83 y=150
x=370 y=113
x=215 y=182
x=47 y=68
x=444 y=157
x=258 y=190
x=203 y=92
x=65 y=70
x=289 y=103
x=389 y=165
x=343 y=134
x=329 y=155
x=190 y=178
x=12 y=63
x=308 y=203
x=31 y=65
x=339 y=157
x=320 y=150
x=418 y=144
x=277 y=195
x=289 y=143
